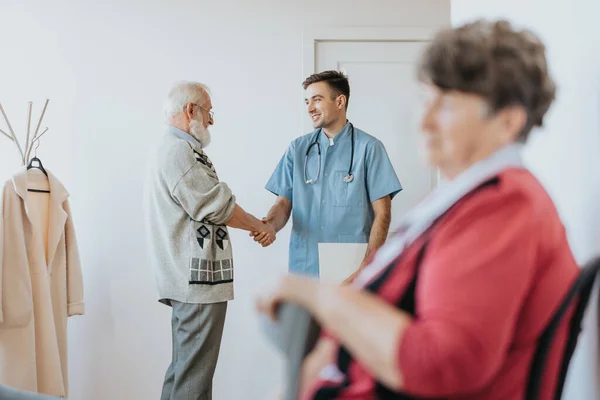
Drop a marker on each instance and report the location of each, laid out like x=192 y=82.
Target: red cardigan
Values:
x=495 y=268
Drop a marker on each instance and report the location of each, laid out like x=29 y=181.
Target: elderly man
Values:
x=187 y=212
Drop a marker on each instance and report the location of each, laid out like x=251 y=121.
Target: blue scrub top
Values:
x=331 y=210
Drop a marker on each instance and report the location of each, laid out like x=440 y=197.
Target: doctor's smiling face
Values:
x=323 y=106
x=326 y=98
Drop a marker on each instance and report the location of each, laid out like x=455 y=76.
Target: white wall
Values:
x=564 y=155
x=106 y=67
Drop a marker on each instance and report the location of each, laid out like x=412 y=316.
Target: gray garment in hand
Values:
x=197 y=332
x=295 y=334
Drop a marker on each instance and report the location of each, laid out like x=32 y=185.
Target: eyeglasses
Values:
x=210 y=112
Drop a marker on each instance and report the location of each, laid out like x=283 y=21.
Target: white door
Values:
x=383 y=103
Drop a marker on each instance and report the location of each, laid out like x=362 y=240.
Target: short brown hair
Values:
x=505 y=66
x=337 y=81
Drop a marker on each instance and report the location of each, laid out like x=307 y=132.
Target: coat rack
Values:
x=26 y=154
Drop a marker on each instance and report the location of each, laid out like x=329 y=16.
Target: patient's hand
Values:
x=322 y=355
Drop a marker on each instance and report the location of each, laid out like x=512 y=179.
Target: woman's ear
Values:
x=513 y=119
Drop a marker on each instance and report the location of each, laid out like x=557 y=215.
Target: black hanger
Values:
x=41 y=168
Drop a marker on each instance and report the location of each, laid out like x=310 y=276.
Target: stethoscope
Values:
x=349 y=176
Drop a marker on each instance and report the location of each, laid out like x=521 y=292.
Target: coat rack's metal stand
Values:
x=26 y=154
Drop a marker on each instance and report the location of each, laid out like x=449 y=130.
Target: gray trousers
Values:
x=197 y=332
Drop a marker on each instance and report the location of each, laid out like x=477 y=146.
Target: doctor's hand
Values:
x=265 y=237
x=351 y=278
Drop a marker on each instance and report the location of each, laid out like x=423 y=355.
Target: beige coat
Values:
x=40 y=283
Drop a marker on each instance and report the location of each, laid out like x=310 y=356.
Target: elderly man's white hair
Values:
x=183 y=93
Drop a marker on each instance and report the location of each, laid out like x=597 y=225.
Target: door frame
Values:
x=311 y=35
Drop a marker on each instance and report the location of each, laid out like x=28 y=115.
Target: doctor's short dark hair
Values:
x=337 y=81
x=508 y=67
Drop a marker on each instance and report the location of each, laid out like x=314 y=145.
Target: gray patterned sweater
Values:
x=185 y=209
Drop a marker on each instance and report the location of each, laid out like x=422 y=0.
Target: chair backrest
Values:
x=580 y=293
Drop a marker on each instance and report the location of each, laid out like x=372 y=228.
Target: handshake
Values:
x=266 y=235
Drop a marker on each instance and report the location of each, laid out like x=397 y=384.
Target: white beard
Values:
x=200 y=133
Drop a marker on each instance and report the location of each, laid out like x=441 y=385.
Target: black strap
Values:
x=582 y=288
x=407 y=304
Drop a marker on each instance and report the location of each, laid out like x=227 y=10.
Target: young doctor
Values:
x=337 y=182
